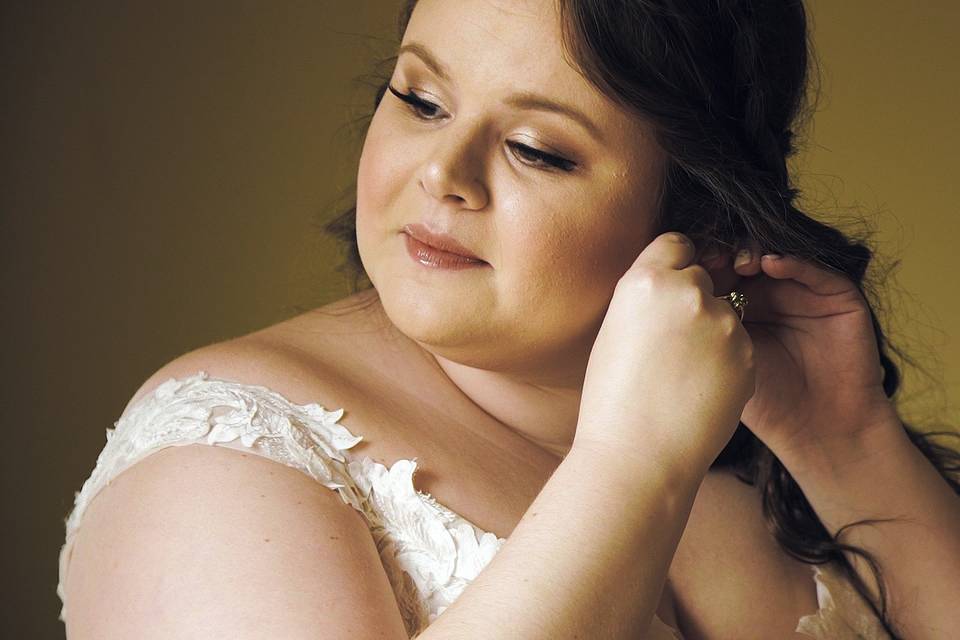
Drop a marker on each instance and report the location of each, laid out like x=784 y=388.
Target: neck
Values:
x=544 y=415
x=541 y=404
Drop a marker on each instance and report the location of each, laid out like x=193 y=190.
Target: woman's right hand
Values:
x=672 y=366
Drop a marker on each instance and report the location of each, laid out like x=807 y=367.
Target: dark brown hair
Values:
x=725 y=85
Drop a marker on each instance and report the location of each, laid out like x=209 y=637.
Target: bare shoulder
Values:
x=202 y=541
x=727 y=561
x=298 y=357
x=251 y=359
x=328 y=356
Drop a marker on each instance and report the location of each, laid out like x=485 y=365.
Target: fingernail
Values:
x=743 y=257
x=773 y=256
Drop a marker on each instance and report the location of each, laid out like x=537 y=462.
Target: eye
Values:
x=547 y=161
x=546 y=158
x=416 y=104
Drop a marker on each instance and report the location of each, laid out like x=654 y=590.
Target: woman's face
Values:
x=555 y=238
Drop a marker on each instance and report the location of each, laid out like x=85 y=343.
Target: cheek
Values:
x=561 y=281
x=374 y=171
x=627 y=224
x=585 y=250
x=375 y=180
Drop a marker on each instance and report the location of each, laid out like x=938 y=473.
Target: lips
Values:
x=440 y=241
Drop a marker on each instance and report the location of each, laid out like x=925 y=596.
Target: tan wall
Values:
x=163 y=164
x=884 y=145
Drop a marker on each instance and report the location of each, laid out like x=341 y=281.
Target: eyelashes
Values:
x=418 y=106
x=416 y=103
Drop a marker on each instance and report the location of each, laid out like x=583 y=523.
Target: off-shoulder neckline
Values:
x=307 y=407
x=822 y=575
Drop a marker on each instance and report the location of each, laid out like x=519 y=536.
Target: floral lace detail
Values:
x=202 y=410
x=429 y=552
x=440 y=551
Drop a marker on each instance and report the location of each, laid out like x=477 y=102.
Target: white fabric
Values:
x=430 y=553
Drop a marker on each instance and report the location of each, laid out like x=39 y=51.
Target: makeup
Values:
x=432 y=257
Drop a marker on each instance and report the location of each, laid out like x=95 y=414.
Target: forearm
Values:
x=587 y=560
x=885 y=476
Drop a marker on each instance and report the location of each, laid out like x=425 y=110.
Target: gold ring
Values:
x=737 y=300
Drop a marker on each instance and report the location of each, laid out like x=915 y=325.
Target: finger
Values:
x=747 y=260
x=727 y=305
x=702 y=278
x=713 y=257
x=725 y=279
x=728 y=267
x=717 y=264
x=817 y=278
x=671 y=249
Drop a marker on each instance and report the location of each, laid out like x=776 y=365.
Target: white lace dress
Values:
x=430 y=553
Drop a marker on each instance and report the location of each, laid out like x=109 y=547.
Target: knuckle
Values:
x=745 y=355
x=642 y=276
x=730 y=324
x=700 y=277
x=688 y=302
x=697 y=299
x=697 y=271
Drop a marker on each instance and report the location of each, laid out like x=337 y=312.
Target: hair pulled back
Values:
x=724 y=83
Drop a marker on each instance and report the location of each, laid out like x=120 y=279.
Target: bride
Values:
x=604 y=379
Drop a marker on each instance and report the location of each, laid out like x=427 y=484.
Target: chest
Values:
x=726 y=562
x=407 y=409
x=487 y=477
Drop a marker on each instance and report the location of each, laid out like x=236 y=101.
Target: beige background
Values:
x=164 y=165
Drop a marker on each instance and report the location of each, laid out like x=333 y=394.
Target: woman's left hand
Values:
x=818 y=371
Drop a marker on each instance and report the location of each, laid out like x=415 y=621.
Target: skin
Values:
x=515 y=335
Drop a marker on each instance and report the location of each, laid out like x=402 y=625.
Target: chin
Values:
x=425 y=317
x=425 y=304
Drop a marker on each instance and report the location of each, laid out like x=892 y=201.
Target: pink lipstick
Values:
x=438 y=250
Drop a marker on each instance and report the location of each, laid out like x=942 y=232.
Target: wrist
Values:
x=845 y=453
x=632 y=471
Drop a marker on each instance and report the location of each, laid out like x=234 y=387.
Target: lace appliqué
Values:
x=199 y=409
x=439 y=551
x=429 y=552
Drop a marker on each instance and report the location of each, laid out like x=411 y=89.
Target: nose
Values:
x=453 y=172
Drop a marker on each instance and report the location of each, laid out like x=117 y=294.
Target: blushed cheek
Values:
x=384 y=174
x=367 y=184
x=565 y=263
x=371 y=201
x=588 y=279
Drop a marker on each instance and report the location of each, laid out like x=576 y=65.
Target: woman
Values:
x=634 y=355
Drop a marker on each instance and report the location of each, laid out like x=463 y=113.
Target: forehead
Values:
x=502 y=47
x=487 y=14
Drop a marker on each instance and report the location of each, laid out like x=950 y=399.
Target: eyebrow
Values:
x=521 y=100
